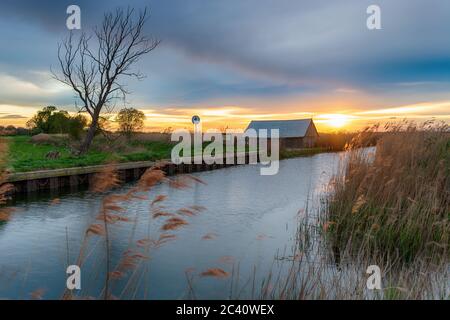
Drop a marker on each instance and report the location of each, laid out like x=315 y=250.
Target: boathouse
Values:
x=294 y=134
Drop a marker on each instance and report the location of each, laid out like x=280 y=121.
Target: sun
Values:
x=336 y=120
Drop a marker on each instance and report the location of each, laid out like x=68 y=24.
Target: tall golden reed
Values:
x=396 y=202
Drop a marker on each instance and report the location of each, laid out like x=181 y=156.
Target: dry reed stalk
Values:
x=158 y=213
x=159 y=198
x=144 y=242
x=226 y=260
x=197 y=208
x=216 y=273
x=55 y=201
x=159 y=243
x=38 y=294
x=186 y=212
x=196 y=179
x=150 y=178
x=209 y=236
x=105 y=180
x=173 y=224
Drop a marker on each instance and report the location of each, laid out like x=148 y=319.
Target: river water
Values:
x=248 y=220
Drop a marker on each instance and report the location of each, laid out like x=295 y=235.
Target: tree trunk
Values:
x=89 y=136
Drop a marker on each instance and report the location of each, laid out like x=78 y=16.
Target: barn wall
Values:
x=311 y=136
x=291 y=143
x=309 y=142
x=298 y=143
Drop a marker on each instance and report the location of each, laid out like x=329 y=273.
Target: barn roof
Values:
x=288 y=128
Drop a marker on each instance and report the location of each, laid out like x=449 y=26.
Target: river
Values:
x=248 y=220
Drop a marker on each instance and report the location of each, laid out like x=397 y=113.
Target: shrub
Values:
x=51 y=121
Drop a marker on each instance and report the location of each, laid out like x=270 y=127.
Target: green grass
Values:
x=286 y=154
x=26 y=156
x=154 y=150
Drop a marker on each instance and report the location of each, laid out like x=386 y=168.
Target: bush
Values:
x=13 y=131
x=42 y=138
x=51 y=121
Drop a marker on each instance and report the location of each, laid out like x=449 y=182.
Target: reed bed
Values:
x=311 y=271
x=395 y=203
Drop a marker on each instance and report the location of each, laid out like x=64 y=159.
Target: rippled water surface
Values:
x=250 y=217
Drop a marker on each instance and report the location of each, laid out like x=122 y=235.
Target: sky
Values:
x=239 y=60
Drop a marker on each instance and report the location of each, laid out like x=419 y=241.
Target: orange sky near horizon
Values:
x=234 y=117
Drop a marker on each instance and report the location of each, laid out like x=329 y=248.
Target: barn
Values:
x=294 y=134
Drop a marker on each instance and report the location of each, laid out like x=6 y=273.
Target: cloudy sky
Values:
x=236 y=60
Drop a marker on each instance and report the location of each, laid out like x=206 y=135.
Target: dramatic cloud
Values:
x=13 y=116
x=259 y=55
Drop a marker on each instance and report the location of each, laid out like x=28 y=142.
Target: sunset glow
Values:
x=158 y=119
x=335 y=120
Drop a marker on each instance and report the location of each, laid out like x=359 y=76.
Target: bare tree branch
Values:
x=95 y=66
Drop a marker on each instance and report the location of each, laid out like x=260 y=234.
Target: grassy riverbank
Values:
x=24 y=155
x=294 y=153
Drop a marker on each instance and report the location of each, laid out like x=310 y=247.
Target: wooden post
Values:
x=54 y=183
x=91 y=179
x=122 y=174
x=31 y=186
x=136 y=173
x=73 y=182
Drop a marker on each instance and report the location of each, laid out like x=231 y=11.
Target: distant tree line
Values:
x=13 y=131
x=50 y=120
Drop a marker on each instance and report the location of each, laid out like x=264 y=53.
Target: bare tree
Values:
x=96 y=71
